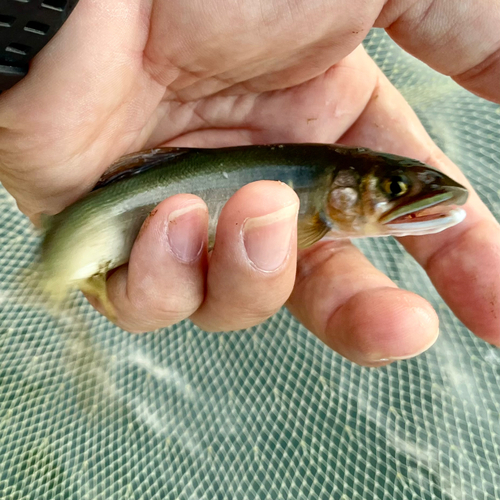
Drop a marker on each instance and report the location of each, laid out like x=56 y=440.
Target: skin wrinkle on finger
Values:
x=478 y=78
x=438 y=253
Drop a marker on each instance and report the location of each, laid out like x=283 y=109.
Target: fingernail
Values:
x=407 y=356
x=421 y=351
x=186 y=232
x=267 y=238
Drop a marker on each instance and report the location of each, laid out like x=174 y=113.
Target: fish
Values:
x=344 y=192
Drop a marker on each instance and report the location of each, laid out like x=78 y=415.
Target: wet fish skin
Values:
x=343 y=191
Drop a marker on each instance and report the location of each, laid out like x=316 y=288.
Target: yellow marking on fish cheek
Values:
x=374 y=202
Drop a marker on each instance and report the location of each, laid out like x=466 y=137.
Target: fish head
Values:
x=381 y=194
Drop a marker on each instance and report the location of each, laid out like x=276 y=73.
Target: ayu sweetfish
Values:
x=344 y=192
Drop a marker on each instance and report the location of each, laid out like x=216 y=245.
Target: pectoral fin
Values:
x=310 y=230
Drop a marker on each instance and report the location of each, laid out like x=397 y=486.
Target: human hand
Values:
x=126 y=74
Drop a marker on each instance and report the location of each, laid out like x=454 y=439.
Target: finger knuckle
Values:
x=165 y=308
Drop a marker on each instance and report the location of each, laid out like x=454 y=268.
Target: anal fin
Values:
x=95 y=286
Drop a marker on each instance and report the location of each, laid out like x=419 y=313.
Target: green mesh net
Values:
x=88 y=411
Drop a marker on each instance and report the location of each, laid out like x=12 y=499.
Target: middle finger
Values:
x=252 y=267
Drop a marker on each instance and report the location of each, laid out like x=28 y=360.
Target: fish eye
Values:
x=396 y=185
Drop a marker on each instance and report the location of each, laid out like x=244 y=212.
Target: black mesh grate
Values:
x=26 y=26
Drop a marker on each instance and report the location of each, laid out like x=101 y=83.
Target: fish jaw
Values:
x=449 y=217
x=427 y=215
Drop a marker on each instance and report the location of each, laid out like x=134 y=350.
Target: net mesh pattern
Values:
x=88 y=411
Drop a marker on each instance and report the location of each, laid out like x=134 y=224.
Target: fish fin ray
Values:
x=135 y=163
x=95 y=286
x=310 y=230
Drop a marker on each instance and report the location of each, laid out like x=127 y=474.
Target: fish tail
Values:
x=35 y=288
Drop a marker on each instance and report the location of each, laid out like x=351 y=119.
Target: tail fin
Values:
x=34 y=288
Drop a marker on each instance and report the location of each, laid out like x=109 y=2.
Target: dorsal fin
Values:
x=135 y=163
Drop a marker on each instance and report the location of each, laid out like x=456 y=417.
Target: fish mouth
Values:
x=428 y=214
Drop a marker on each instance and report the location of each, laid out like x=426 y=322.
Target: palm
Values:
x=319 y=110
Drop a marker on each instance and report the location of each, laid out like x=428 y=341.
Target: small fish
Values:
x=344 y=192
